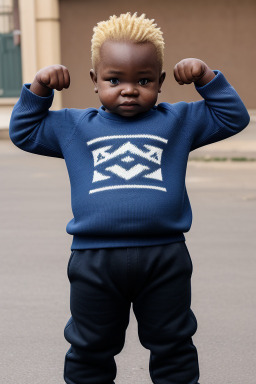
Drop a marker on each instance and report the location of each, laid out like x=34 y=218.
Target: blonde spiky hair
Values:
x=127 y=27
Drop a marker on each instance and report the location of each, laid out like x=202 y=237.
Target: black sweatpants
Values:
x=104 y=283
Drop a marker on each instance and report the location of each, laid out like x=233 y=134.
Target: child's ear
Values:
x=93 y=75
x=161 y=80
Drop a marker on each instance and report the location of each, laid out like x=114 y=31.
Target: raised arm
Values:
x=33 y=127
x=220 y=115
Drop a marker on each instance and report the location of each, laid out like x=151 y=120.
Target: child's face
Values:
x=128 y=77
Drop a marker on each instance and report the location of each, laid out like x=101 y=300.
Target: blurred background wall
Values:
x=220 y=32
x=36 y=33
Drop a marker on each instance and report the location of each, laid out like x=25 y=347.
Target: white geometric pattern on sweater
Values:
x=127 y=152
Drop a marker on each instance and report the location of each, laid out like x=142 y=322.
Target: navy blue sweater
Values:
x=127 y=174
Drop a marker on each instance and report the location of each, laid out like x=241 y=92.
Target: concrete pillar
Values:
x=48 y=37
x=28 y=39
x=40 y=37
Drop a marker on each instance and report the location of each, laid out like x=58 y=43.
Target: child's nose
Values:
x=129 y=89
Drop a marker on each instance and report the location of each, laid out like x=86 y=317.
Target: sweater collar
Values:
x=116 y=117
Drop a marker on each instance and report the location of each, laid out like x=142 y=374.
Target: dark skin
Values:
x=127 y=78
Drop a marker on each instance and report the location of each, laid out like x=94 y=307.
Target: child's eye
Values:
x=143 y=81
x=114 y=81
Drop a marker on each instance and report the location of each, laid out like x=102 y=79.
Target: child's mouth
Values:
x=128 y=105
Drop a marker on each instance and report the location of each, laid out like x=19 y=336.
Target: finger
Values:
x=176 y=75
x=66 y=77
x=182 y=74
x=54 y=81
x=188 y=72
x=60 y=76
x=43 y=78
x=197 y=70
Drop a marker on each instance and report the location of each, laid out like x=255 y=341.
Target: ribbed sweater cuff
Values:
x=28 y=99
x=214 y=86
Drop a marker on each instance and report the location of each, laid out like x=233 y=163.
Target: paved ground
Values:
x=34 y=289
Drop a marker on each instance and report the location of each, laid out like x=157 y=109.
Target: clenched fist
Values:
x=48 y=78
x=191 y=70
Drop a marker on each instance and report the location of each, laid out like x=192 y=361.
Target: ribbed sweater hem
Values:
x=81 y=242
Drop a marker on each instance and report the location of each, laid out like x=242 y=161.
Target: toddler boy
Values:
x=127 y=163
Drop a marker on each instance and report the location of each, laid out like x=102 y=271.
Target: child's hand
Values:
x=189 y=71
x=48 y=78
